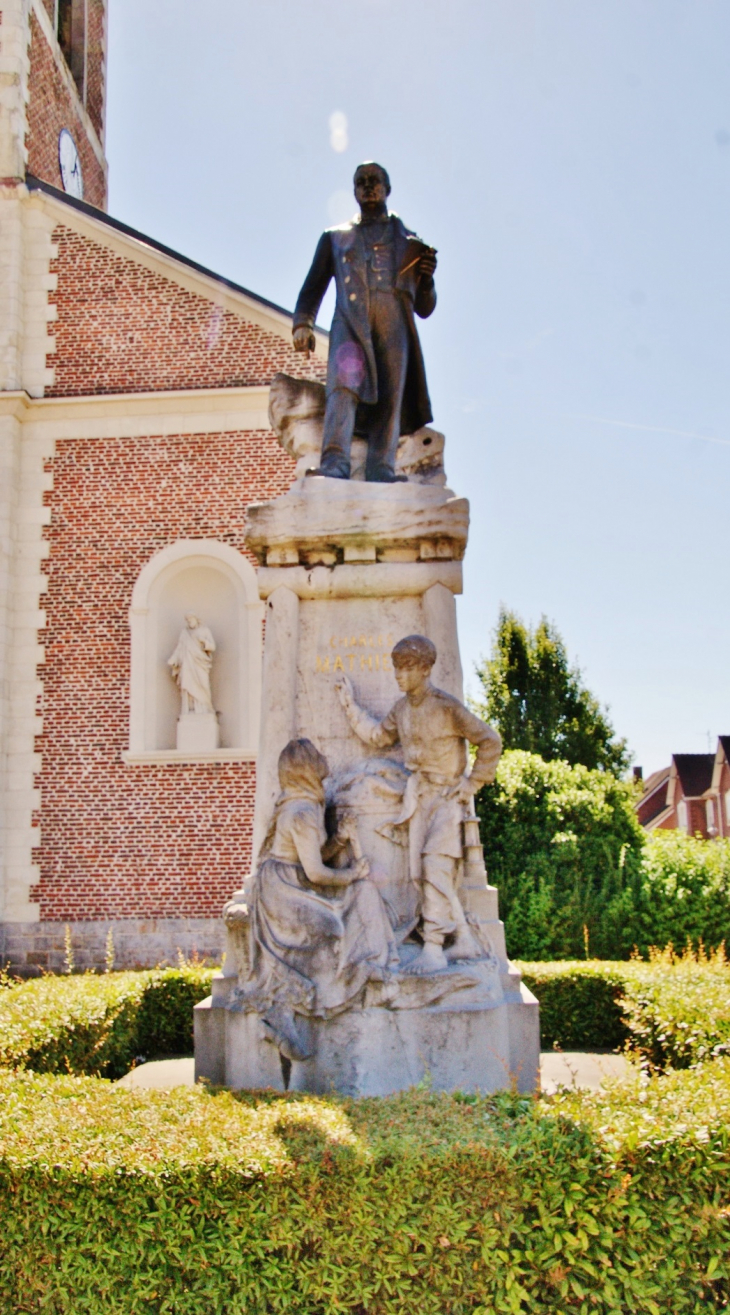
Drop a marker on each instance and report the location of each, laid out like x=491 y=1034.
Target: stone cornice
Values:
x=119 y=415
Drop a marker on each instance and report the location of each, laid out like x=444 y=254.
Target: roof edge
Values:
x=93 y=212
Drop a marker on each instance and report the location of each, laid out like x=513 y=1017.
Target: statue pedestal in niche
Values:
x=365 y=951
x=198 y=732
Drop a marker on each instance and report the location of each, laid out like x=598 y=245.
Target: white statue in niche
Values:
x=190 y=664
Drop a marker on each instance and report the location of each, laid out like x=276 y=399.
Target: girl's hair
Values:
x=301 y=764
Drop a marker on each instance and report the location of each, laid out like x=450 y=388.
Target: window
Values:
x=682 y=815
x=71 y=32
x=727 y=807
x=710 y=814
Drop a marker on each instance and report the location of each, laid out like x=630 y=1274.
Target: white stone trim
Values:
x=167 y=757
x=22 y=551
x=14 y=74
x=142 y=620
x=38 y=311
x=25 y=281
x=157 y=262
x=137 y=415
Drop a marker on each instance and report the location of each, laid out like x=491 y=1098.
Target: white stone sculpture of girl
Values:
x=318 y=933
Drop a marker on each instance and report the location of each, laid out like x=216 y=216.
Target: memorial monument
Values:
x=365 y=951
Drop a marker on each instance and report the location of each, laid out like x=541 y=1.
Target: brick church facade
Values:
x=133 y=434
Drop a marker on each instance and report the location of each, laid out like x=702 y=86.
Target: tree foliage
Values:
x=564 y=847
x=539 y=703
x=578 y=876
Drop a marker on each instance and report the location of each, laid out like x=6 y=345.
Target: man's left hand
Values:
x=427 y=264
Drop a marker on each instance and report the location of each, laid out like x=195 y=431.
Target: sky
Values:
x=571 y=163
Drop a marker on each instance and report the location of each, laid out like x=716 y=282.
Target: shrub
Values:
x=678 y=1008
x=578 y=876
x=190 y=1201
x=564 y=847
x=685 y=891
x=672 y=1012
x=99 y=1024
x=581 y=1004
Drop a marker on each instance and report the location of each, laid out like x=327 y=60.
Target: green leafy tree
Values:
x=564 y=847
x=539 y=703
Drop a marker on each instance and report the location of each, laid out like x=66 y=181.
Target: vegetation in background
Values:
x=579 y=878
x=539 y=703
x=564 y=847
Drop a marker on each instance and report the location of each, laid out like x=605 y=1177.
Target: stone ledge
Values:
x=30 y=948
x=326 y=520
x=169 y=757
x=362 y=580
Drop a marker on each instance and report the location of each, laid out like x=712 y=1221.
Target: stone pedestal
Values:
x=348 y=569
x=377 y=1051
x=198 y=732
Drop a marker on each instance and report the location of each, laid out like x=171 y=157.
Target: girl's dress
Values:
x=314 y=948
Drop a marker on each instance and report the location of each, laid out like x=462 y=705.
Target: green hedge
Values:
x=673 y=1011
x=99 y=1025
x=194 y=1202
x=580 y=1004
x=578 y=876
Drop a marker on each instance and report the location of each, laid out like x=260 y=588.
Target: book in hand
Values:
x=414 y=251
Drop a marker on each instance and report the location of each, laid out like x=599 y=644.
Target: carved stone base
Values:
x=374 y=1052
x=197 y=732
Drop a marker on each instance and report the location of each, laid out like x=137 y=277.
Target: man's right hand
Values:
x=303 y=339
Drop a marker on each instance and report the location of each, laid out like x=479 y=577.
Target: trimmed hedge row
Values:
x=580 y=1003
x=99 y=1025
x=673 y=1011
x=191 y=1201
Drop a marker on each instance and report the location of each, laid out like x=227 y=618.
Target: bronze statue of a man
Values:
x=376 y=381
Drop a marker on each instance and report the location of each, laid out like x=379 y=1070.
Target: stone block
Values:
x=375 y=1052
x=198 y=732
x=209 y=1029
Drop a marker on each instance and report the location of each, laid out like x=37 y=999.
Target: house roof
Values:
x=653 y=801
x=722 y=756
x=100 y=216
x=656 y=779
x=694 y=771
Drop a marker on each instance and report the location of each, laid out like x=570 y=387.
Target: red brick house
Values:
x=692 y=794
x=133 y=435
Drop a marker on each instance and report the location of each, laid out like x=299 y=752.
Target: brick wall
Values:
x=51 y=107
x=124 y=329
x=95 y=64
x=119 y=841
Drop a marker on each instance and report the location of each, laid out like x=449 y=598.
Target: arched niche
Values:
x=218 y=584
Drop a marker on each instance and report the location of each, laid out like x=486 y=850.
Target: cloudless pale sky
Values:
x=571 y=163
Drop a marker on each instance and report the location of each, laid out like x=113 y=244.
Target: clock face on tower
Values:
x=68 y=159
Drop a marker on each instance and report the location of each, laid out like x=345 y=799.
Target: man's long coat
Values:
x=341 y=255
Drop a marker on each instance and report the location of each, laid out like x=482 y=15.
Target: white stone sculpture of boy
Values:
x=433 y=728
